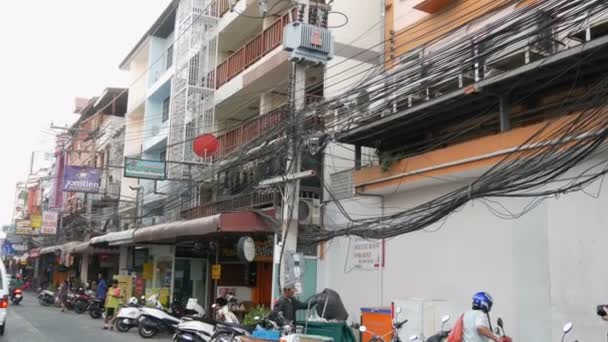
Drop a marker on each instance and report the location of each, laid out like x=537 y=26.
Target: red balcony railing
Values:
x=253 y=50
x=255 y=128
x=250 y=130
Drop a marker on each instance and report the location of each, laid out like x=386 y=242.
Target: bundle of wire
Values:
x=531 y=169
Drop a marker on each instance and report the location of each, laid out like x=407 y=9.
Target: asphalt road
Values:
x=31 y=322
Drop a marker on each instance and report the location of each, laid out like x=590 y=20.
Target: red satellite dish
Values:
x=205 y=145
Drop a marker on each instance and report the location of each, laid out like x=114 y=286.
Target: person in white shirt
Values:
x=476 y=322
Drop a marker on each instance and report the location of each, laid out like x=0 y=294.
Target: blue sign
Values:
x=81 y=179
x=7 y=248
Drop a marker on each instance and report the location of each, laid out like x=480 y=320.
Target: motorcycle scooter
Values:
x=441 y=336
x=157 y=319
x=128 y=315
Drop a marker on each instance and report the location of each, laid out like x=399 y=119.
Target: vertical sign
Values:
x=49 y=223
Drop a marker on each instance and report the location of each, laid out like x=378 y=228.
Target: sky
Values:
x=52 y=52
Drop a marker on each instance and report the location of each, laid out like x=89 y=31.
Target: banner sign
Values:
x=49 y=222
x=146 y=169
x=23 y=227
x=81 y=179
x=9 y=229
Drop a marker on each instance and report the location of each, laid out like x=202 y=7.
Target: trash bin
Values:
x=378 y=321
x=338 y=331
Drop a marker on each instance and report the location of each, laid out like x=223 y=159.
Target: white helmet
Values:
x=132 y=301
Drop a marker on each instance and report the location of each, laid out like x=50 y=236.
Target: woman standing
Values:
x=63 y=294
x=112 y=304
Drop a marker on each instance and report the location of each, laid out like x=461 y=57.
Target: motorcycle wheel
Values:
x=95 y=313
x=43 y=302
x=146 y=332
x=15 y=301
x=80 y=307
x=223 y=337
x=121 y=326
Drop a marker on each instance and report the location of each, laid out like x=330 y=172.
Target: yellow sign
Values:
x=125 y=283
x=36 y=221
x=148 y=271
x=216 y=272
x=163 y=295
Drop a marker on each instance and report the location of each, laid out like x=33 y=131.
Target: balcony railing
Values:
x=256 y=48
x=247 y=201
x=255 y=128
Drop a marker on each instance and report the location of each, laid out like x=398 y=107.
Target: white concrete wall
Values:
x=543 y=269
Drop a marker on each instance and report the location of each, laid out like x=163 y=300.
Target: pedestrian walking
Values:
x=112 y=304
x=63 y=294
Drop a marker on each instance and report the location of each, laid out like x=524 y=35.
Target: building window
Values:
x=166 y=106
x=169 y=57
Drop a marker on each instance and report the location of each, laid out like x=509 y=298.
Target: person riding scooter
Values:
x=476 y=322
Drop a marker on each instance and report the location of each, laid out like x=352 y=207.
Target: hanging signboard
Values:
x=145 y=169
x=216 y=272
x=9 y=229
x=36 y=221
x=81 y=179
x=23 y=227
x=49 y=223
x=367 y=254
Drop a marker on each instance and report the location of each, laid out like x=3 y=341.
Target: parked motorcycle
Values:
x=46 y=298
x=395 y=331
x=128 y=315
x=157 y=319
x=223 y=311
x=205 y=331
x=16 y=295
x=95 y=308
x=441 y=336
x=567 y=329
x=81 y=300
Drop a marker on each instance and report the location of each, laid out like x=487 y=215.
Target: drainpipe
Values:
x=381 y=266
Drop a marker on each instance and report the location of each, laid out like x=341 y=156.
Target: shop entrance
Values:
x=190 y=280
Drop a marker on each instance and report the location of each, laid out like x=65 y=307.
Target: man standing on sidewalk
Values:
x=102 y=288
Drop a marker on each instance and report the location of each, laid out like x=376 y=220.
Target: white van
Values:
x=4 y=279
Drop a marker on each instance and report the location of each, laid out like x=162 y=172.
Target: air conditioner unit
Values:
x=309 y=211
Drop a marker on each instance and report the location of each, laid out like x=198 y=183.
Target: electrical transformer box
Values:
x=308 y=44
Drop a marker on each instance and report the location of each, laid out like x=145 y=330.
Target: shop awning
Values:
x=234 y=222
x=79 y=248
x=59 y=248
x=115 y=238
x=34 y=252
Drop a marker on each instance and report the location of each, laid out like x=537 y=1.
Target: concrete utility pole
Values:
x=289 y=229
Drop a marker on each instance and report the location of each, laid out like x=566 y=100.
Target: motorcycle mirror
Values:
x=445 y=319
x=214 y=306
x=414 y=338
x=398 y=309
x=363 y=328
x=257 y=318
x=500 y=324
x=568 y=327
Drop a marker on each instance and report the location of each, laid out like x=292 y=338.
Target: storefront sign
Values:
x=148 y=271
x=246 y=249
x=81 y=179
x=216 y=272
x=23 y=227
x=140 y=285
x=367 y=254
x=9 y=229
x=20 y=247
x=146 y=169
x=263 y=251
x=36 y=220
x=49 y=223
x=35 y=253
